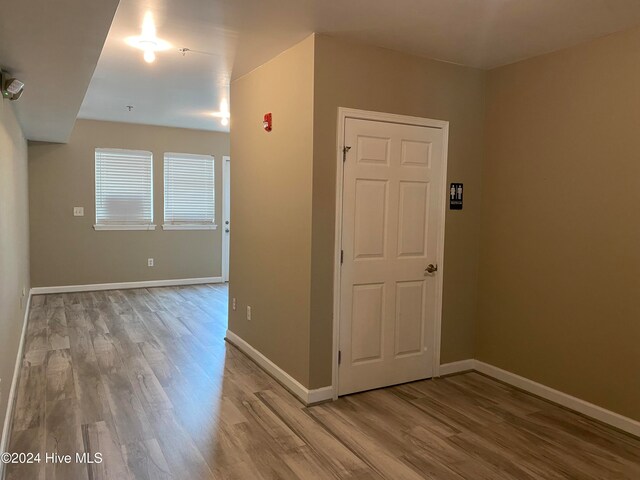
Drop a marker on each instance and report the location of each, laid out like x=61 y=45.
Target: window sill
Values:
x=124 y=227
x=189 y=227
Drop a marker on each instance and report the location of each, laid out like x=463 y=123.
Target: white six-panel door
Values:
x=393 y=190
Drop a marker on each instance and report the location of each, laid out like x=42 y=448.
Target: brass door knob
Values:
x=431 y=268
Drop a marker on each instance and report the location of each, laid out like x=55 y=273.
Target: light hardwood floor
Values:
x=145 y=378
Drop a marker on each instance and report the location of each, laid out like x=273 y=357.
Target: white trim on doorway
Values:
x=226 y=185
x=343 y=114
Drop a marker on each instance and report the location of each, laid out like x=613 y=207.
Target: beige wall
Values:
x=66 y=250
x=271 y=208
x=369 y=78
x=14 y=245
x=560 y=263
x=538 y=281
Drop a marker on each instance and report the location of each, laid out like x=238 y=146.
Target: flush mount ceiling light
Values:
x=224 y=118
x=148 y=42
x=223 y=114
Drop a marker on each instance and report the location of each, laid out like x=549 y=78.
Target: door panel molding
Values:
x=409 y=152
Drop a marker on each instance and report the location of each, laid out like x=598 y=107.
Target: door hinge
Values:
x=339 y=357
x=345 y=150
x=341 y=257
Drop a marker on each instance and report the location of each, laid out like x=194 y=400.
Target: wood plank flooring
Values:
x=145 y=378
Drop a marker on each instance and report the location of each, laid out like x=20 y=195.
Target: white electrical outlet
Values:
x=233 y=304
x=248 y=312
x=78 y=211
x=150 y=262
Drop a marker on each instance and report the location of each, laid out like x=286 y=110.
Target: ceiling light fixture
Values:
x=223 y=114
x=148 y=42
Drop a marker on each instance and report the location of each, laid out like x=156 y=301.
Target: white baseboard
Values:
x=319 y=395
x=573 y=403
x=125 y=285
x=305 y=395
x=589 y=409
x=326 y=393
x=4 y=441
x=456 y=367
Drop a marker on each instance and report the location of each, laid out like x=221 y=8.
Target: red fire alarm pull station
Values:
x=267 y=123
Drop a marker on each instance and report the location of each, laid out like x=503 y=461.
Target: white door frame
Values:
x=226 y=183
x=343 y=115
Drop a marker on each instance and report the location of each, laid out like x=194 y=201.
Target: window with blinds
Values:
x=124 y=189
x=189 y=191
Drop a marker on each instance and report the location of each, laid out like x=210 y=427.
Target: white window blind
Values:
x=189 y=190
x=124 y=188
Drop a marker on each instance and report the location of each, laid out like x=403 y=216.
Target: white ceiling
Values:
x=53 y=47
x=239 y=35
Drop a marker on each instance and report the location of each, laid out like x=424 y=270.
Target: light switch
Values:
x=78 y=211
